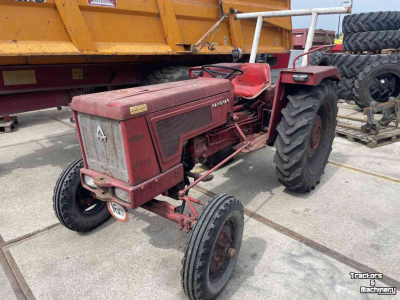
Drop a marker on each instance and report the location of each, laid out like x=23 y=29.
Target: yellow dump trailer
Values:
x=71 y=46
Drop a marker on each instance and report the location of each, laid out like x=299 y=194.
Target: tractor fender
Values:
x=286 y=84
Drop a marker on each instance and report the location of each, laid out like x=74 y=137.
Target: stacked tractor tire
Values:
x=367 y=73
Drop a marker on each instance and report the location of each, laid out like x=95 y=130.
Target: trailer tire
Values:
x=305 y=136
x=167 y=74
x=371 y=40
x=364 y=80
x=200 y=277
x=71 y=213
x=373 y=21
x=319 y=58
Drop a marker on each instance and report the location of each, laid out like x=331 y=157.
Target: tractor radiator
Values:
x=103 y=145
x=170 y=130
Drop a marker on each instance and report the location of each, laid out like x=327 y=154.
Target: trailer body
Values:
x=52 y=50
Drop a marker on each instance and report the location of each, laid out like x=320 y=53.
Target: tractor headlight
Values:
x=89 y=181
x=122 y=195
x=300 y=77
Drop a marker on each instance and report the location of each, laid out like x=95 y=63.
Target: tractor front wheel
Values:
x=305 y=136
x=77 y=208
x=213 y=248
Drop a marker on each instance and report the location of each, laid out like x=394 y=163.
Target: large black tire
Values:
x=373 y=21
x=383 y=87
x=366 y=78
x=319 y=58
x=167 y=74
x=371 y=40
x=300 y=156
x=67 y=206
x=199 y=278
x=345 y=88
x=350 y=65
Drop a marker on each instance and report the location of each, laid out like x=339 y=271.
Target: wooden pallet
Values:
x=7 y=125
x=387 y=135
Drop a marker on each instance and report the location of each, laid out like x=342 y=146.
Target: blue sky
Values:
x=330 y=22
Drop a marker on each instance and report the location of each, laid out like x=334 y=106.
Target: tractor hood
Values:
x=131 y=103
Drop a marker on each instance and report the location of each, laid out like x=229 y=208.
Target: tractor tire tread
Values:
x=62 y=206
x=372 y=21
x=371 y=40
x=319 y=58
x=292 y=140
x=194 y=262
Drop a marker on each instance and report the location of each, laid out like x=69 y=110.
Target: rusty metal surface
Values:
x=139 y=194
x=207 y=94
x=103 y=145
x=390 y=113
x=141 y=159
x=257 y=140
x=321 y=37
x=316 y=75
x=134 y=102
x=246 y=143
x=168 y=211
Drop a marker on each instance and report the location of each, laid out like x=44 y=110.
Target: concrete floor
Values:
x=350 y=221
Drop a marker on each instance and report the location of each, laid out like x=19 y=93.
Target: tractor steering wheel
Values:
x=223 y=75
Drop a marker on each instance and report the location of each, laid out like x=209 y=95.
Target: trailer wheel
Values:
x=75 y=207
x=167 y=74
x=305 y=136
x=213 y=248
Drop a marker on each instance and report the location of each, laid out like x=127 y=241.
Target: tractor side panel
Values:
x=172 y=127
x=141 y=159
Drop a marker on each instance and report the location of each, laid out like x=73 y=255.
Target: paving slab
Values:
x=348 y=212
x=37 y=125
x=6 y=291
x=28 y=172
x=141 y=260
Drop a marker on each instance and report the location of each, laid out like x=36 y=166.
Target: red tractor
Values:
x=143 y=142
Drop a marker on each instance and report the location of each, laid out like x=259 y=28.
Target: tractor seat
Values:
x=255 y=80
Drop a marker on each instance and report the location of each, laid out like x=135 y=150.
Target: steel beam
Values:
x=294 y=13
x=310 y=38
x=256 y=39
x=290 y=13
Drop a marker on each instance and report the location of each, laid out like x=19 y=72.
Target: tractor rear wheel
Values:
x=76 y=207
x=305 y=136
x=213 y=248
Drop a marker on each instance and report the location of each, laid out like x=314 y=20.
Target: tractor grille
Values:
x=103 y=145
x=170 y=130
